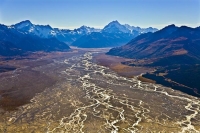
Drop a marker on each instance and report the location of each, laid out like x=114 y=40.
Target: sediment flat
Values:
x=82 y=93
x=115 y=64
x=31 y=74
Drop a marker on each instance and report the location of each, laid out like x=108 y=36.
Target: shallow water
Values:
x=95 y=99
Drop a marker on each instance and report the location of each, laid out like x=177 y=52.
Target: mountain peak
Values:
x=86 y=30
x=84 y=27
x=169 y=29
x=185 y=27
x=22 y=24
x=25 y=22
x=170 y=26
x=115 y=22
x=115 y=27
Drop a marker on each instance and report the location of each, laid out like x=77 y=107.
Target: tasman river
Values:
x=94 y=99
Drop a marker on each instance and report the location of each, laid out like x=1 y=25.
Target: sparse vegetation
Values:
x=143 y=79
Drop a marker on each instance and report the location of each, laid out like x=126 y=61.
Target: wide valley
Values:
x=86 y=91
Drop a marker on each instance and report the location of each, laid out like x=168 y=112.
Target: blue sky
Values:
x=72 y=14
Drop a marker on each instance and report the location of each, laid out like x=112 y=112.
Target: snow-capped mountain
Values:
x=140 y=30
x=21 y=39
x=44 y=31
x=26 y=36
x=86 y=30
x=70 y=36
x=112 y=35
x=116 y=27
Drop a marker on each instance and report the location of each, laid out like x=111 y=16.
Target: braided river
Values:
x=95 y=99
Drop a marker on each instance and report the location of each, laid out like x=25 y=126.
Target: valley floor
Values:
x=79 y=92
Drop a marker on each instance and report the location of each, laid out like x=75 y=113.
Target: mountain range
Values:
x=174 y=54
x=173 y=51
x=172 y=41
x=46 y=31
x=113 y=34
x=71 y=36
x=16 y=42
x=26 y=36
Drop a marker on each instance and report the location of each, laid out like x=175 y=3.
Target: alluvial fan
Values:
x=95 y=99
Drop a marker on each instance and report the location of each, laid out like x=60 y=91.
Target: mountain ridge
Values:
x=26 y=36
x=69 y=36
x=46 y=31
x=113 y=34
x=169 y=41
x=16 y=42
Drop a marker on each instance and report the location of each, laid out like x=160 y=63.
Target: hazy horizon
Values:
x=70 y=14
